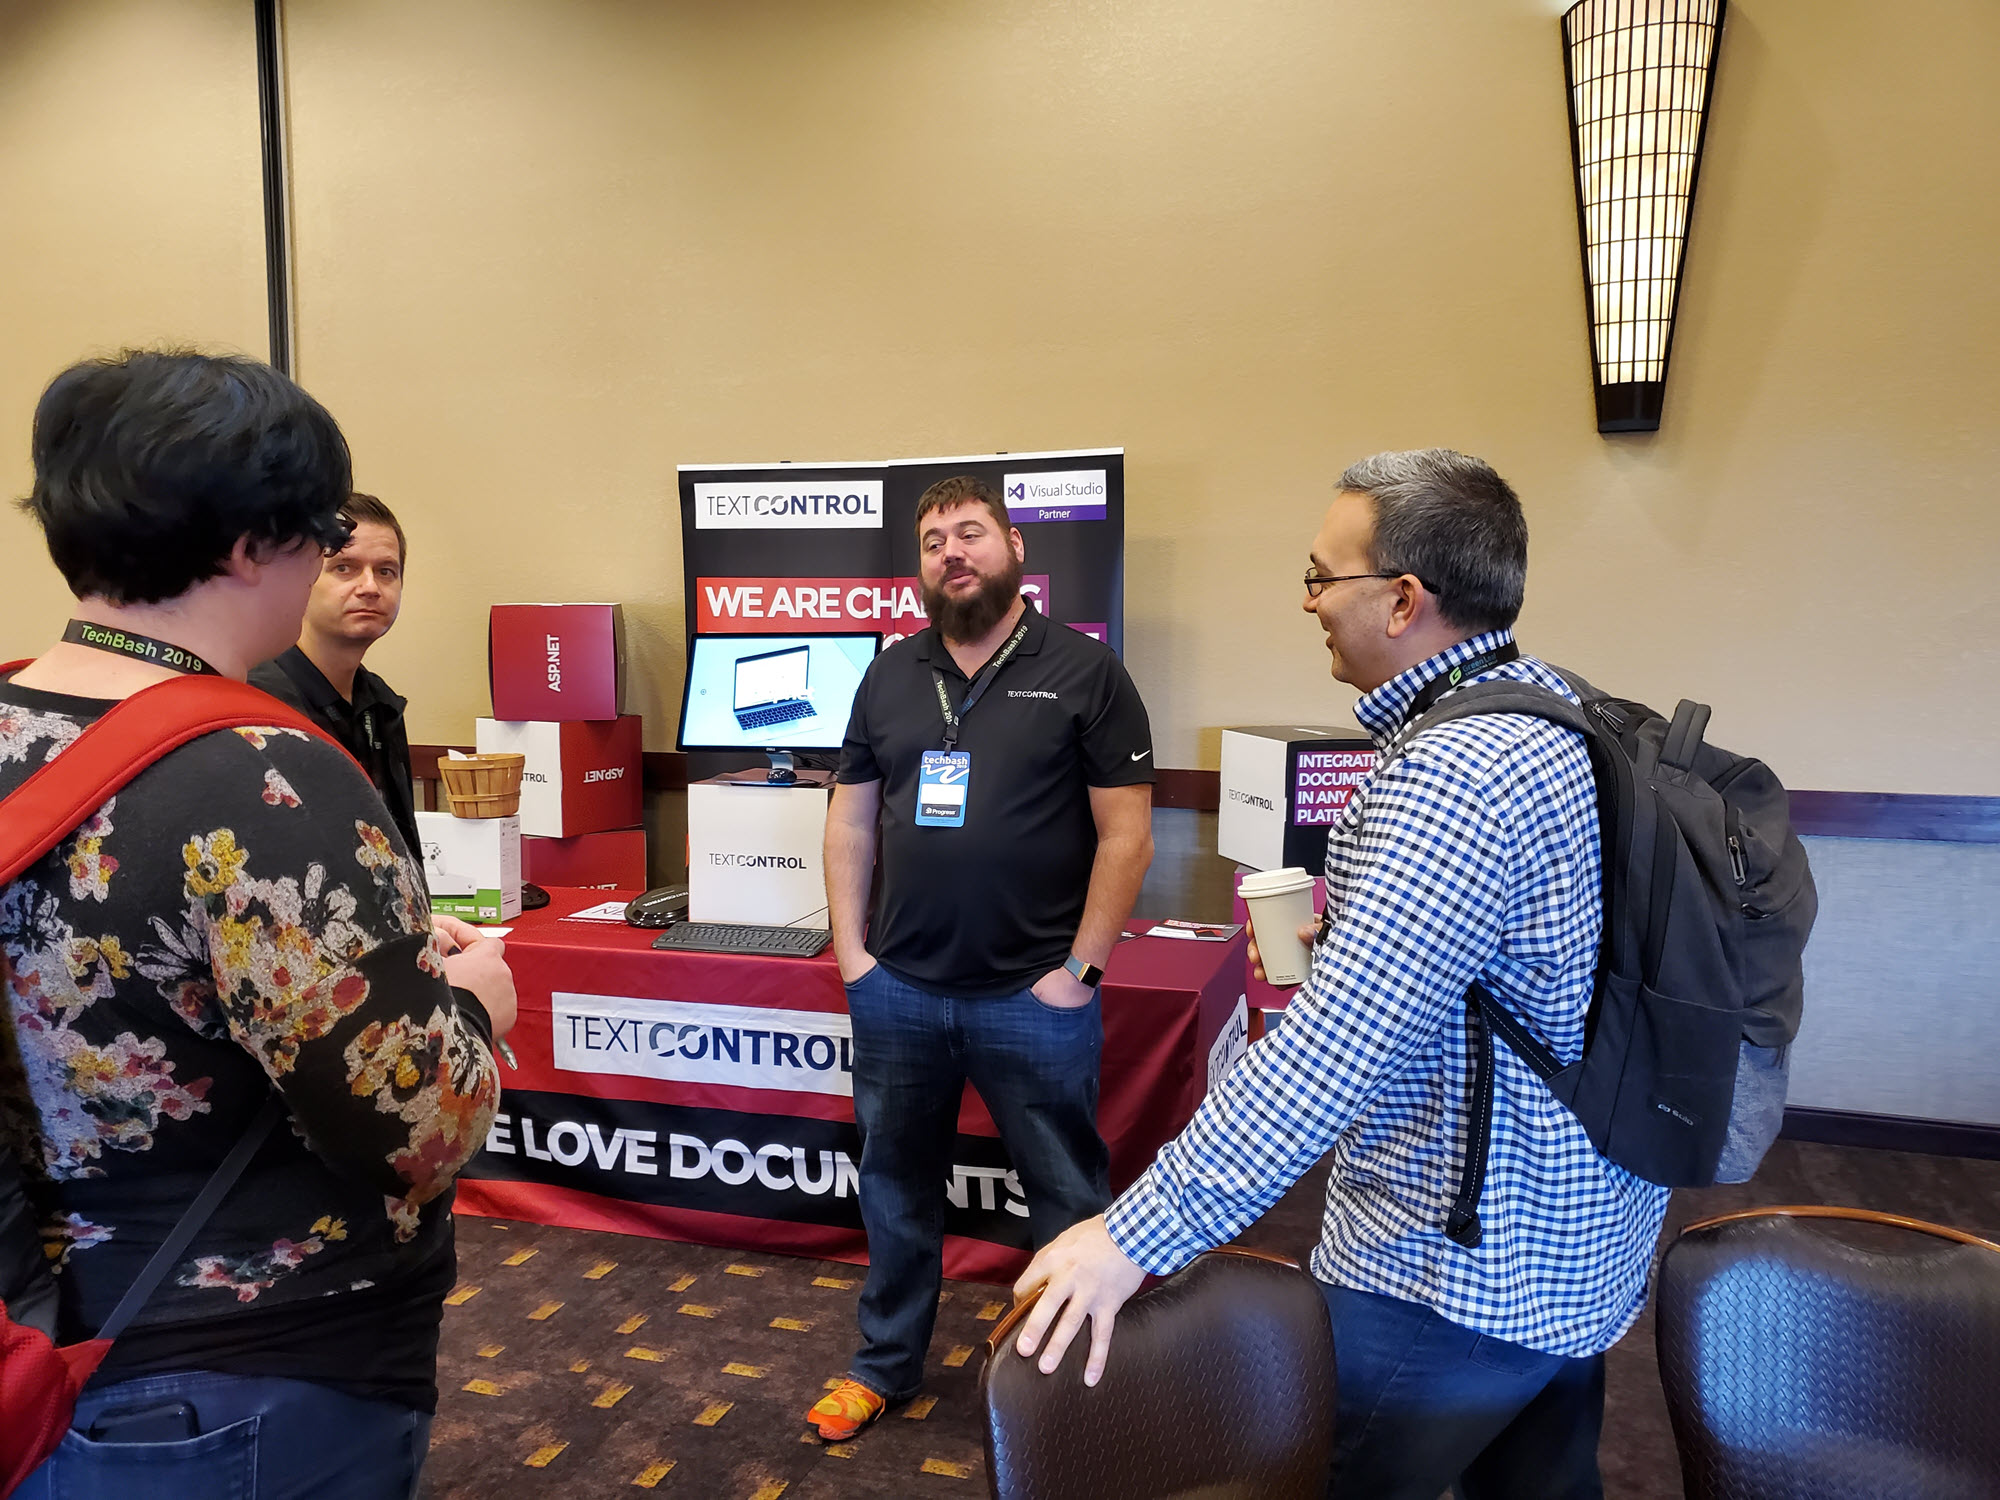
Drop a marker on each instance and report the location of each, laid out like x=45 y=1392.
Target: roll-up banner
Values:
x=796 y=549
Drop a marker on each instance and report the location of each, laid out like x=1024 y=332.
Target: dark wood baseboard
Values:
x=1897 y=815
x=662 y=770
x=1198 y=791
x=1852 y=815
x=1845 y=1127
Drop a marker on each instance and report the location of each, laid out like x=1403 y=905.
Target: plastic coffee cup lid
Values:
x=1274 y=882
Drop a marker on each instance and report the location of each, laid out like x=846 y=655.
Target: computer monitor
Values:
x=772 y=692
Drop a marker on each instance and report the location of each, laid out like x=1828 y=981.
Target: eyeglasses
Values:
x=334 y=533
x=1316 y=583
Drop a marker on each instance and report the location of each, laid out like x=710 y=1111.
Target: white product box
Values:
x=580 y=776
x=1283 y=786
x=472 y=865
x=754 y=853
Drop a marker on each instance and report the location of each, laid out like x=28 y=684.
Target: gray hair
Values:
x=1455 y=524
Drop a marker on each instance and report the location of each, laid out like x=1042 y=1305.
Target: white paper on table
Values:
x=607 y=911
x=1200 y=932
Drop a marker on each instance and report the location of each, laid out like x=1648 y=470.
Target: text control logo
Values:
x=798 y=1051
x=789 y=505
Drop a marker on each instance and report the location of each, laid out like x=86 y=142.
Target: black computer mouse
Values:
x=661 y=907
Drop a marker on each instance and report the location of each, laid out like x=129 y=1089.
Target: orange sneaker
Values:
x=844 y=1411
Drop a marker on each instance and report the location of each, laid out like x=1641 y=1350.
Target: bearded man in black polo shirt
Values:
x=1002 y=767
x=353 y=604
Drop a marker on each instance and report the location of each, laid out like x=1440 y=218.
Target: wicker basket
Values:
x=482 y=786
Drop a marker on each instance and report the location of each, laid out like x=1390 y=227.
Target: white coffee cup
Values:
x=1280 y=903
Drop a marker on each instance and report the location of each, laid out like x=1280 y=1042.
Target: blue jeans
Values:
x=257 y=1438
x=1035 y=1067
x=1425 y=1405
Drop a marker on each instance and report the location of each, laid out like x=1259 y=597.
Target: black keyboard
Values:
x=775 y=713
x=744 y=937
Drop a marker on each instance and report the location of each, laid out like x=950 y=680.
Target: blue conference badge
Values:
x=942 y=781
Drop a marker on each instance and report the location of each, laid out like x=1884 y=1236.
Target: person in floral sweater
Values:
x=242 y=917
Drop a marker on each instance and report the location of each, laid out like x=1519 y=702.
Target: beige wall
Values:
x=131 y=212
x=548 y=251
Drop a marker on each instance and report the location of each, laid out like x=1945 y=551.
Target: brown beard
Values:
x=969 y=618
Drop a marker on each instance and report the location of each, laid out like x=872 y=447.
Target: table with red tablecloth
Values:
x=707 y=1097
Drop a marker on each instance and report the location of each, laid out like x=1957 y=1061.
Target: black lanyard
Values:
x=138 y=647
x=979 y=684
x=1444 y=682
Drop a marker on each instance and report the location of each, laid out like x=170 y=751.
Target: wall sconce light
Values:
x=1639 y=74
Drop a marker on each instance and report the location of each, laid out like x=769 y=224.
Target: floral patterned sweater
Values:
x=241 y=917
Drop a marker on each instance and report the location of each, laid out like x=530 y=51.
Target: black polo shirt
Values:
x=988 y=908
x=370 y=726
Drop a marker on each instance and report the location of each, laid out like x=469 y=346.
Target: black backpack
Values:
x=1708 y=902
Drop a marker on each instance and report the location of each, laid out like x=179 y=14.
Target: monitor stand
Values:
x=783 y=772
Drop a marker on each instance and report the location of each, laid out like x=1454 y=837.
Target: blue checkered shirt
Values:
x=1473 y=854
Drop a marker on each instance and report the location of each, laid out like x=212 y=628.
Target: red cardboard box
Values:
x=556 y=662
x=581 y=776
x=613 y=861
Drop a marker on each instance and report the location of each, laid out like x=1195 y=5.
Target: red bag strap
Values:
x=131 y=735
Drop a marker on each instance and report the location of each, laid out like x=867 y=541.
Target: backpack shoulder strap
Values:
x=1505 y=696
x=1485 y=1015
x=132 y=735
x=197 y=1214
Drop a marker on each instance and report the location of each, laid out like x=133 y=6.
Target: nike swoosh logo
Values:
x=1140 y=754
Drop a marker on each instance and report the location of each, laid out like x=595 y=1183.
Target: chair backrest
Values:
x=1823 y=1361
x=1220 y=1387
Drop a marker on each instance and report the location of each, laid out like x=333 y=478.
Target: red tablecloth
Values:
x=704 y=1097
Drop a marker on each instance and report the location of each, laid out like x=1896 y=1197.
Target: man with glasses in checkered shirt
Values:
x=1472 y=853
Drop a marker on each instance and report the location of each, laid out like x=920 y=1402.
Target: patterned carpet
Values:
x=580 y=1365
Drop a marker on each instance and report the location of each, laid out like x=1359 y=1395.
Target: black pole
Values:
x=277 y=236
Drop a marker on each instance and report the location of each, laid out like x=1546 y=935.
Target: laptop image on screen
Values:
x=771 y=688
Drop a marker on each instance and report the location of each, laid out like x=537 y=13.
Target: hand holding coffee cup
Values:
x=1281 y=923
x=1308 y=934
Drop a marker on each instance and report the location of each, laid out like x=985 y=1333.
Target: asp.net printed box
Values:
x=580 y=776
x=556 y=661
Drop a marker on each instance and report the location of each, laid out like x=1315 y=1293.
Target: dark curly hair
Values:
x=151 y=464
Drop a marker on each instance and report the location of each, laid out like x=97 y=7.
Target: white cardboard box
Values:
x=581 y=776
x=754 y=853
x=472 y=866
x=1283 y=786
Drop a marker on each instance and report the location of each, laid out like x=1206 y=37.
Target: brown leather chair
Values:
x=1832 y=1354
x=1220 y=1387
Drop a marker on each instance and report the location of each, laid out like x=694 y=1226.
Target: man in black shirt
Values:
x=1003 y=767
x=353 y=604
